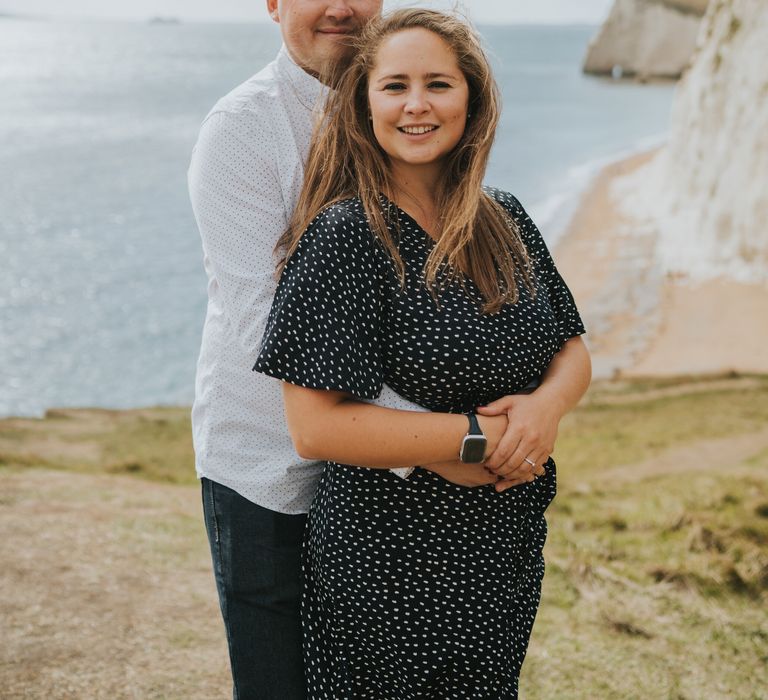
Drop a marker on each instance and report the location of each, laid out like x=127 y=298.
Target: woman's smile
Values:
x=418 y=130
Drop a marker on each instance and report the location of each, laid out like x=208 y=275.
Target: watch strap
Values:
x=474 y=425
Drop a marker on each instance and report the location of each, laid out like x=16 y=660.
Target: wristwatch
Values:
x=474 y=443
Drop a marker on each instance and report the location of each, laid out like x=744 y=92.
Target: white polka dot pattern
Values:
x=417 y=588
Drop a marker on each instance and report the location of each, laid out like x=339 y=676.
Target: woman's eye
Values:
x=439 y=85
x=395 y=86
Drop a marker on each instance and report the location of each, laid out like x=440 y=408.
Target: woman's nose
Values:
x=417 y=102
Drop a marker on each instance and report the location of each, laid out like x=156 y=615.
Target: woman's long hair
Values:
x=477 y=237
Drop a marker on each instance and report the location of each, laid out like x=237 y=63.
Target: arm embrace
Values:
x=331 y=425
x=323 y=341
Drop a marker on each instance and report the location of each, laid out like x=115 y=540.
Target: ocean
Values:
x=103 y=294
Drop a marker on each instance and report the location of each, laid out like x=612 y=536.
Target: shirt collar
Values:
x=308 y=89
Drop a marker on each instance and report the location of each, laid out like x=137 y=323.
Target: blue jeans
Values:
x=256 y=556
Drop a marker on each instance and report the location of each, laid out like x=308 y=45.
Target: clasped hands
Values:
x=521 y=431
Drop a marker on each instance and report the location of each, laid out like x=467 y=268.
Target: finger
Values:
x=510 y=458
x=497 y=407
x=525 y=473
x=539 y=459
x=516 y=462
x=522 y=473
x=504 y=450
x=535 y=461
x=506 y=484
x=520 y=458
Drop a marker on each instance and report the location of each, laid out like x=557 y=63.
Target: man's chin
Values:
x=340 y=49
x=333 y=61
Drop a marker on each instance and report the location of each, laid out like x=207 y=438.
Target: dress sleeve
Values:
x=560 y=297
x=323 y=330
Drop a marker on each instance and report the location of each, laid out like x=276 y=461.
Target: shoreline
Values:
x=554 y=213
x=642 y=321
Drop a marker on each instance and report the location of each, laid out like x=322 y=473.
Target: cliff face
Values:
x=646 y=38
x=698 y=7
x=711 y=182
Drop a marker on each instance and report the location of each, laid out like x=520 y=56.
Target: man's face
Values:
x=317 y=31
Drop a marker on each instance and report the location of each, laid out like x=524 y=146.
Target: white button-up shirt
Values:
x=245 y=178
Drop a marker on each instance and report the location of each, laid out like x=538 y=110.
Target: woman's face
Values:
x=418 y=98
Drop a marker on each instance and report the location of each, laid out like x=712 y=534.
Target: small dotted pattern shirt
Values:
x=415 y=588
x=245 y=178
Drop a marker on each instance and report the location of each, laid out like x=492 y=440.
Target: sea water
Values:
x=103 y=293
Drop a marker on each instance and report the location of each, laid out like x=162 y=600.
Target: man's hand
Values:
x=529 y=440
x=463 y=474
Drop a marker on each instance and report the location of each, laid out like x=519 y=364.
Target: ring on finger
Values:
x=531 y=462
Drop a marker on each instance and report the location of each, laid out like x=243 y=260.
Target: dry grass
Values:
x=151 y=443
x=106 y=590
x=656 y=587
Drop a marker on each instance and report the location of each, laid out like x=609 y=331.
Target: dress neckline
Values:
x=387 y=202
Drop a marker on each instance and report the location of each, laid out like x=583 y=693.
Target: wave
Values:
x=554 y=212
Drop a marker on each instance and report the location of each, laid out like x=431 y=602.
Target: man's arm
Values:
x=238 y=204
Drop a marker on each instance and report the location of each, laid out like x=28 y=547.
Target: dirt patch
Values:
x=721 y=455
x=107 y=590
x=618 y=392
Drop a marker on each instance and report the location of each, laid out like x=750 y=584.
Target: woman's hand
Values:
x=534 y=418
x=529 y=439
x=463 y=474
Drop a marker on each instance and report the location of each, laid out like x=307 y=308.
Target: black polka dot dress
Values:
x=418 y=588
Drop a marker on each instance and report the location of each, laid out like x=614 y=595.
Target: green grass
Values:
x=603 y=434
x=657 y=586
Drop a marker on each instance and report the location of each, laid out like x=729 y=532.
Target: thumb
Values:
x=496 y=408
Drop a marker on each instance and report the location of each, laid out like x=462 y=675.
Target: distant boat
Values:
x=164 y=20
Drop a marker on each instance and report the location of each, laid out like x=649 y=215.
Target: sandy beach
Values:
x=641 y=321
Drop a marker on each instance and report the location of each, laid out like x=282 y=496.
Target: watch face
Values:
x=473 y=448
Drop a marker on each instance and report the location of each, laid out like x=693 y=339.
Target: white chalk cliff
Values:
x=707 y=191
x=646 y=38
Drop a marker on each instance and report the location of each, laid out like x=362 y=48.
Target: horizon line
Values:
x=172 y=19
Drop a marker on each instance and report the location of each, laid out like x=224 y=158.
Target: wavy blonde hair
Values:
x=477 y=237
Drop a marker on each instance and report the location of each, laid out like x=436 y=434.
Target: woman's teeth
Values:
x=416 y=130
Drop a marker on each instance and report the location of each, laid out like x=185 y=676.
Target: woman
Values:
x=401 y=269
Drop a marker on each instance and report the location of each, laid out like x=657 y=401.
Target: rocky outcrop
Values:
x=709 y=187
x=678 y=280
x=646 y=39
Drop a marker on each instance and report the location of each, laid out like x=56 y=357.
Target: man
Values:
x=245 y=179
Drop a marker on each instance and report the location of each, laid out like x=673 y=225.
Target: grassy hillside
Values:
x=656 y=586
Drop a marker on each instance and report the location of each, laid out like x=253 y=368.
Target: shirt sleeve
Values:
x=561 y=300
x=323 y=331
x=237 y=200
